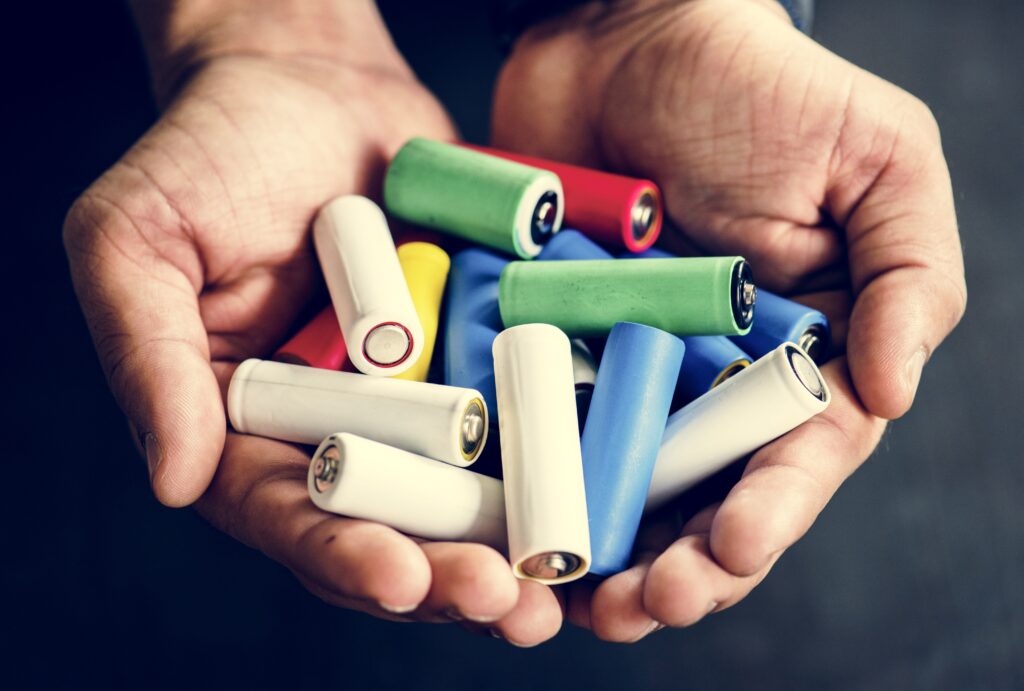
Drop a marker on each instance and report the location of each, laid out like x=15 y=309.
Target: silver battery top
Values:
x=744 y=294
x=806 y=372
x=387 y=344
x=544 y=215
x=643 y=215
x=474 y=425
x=812 y=341
x=325 y=468
x=551 y=565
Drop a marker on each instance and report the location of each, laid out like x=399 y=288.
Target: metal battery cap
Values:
x=804 y=369
x=473 y=428
x=744 y=294
x=643 y=215
x=542 y=224
x=550 y=565
x=387 y=344
x=325 y=468
x=812 y=341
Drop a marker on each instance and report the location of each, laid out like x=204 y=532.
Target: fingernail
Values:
x=153 y=454
x=496 y=634
x=913 y=369
x=654 y=626
x=713 y=606
x=397 y=609
x=453 y=614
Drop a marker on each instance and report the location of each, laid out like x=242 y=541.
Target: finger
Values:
x=259 y=497
x=469 y=581
x=686 y=583
x=788 y=482
x=137 y=278
x=536 y=617
x=893 y=194
x=579 y=596
x=617 y=610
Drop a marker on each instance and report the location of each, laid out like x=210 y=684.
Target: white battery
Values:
x=360 y=478
x=368 y=289
x=305 y=404
x=776 y=394
x=545 y=504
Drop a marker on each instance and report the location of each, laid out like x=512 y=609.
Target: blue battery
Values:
x=472 y=322
x=779 y=320
x=710 y=360
x=572 y=244
x=632 y=396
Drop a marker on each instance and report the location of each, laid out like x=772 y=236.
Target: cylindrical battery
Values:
x=360 y=478
x=780 y=320
x=627 y=416
x=541 y=463
x=584 y=375
x=304 y=405
x=370 y=296
x=572 y=244
x=774 y=395
x=317 y=344
x=710 y=360
x=472 y=321
x=498 y=203
x=684 y=296
x=425 y=267
x=613 y=209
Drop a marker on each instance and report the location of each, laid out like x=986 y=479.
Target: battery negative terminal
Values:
x=474 y=424
x=544 y=215
x=550 y=565
x=325 y=469
x=744 y=294
x=643 y=215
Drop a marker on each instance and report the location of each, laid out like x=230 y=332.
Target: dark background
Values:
x=912 y=578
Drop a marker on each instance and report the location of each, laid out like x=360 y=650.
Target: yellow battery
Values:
x=426 y=270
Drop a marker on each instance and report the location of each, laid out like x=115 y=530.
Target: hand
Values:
x=192 y=253
x=827 y=178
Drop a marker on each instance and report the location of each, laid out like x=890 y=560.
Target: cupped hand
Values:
x=828 y=179
x=192 y=253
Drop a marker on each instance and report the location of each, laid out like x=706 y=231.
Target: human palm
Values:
x=828 y=179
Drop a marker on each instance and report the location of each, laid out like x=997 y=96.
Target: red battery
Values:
x=614 y=210
x=317 y=344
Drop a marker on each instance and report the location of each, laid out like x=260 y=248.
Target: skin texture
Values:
x=192 y=254
x=828 y=179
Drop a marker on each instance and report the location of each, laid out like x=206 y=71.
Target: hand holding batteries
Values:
x=827 y=178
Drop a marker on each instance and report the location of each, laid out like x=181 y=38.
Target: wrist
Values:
x=181 y=35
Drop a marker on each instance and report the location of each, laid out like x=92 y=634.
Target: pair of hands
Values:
x=191 y=254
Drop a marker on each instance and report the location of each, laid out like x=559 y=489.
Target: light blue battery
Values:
x=572 y=244
x=710 y=360
x=472 y=322
x=632 y=396
x=780 y=320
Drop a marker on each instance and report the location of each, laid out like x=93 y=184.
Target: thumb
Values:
x=137 y=277
x=906 y=263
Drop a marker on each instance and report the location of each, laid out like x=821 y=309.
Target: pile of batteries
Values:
x=585 y=449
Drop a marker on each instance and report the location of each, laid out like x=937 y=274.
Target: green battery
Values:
x=687 y=296
x=488 y=200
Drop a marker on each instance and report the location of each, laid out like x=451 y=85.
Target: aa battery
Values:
x=584 y=376
x=304 y=405
x=684 y=296
x=615 y=210
x=545 y=504
x=780 y=320
x=774 y=395
x=572 y=244
x=370 y=296
x=487 y=200
x=710 y=360
x=472 y=322
x=360 y=478
x=317 y=344
x=632 y=396
x=425 y=267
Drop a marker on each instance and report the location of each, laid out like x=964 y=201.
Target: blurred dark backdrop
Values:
x=912 y=578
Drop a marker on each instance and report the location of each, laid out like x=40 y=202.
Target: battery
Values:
x=361 y=478
x=615 y=210
x=472 y=321
x=584 y=375
x=545 y=505
x=689 y=296
x=632 y=396
x=572 y=244
x=774 y=395
x=425 y=267
x=304 y=405
x=317 y=344
x=370 y=296
x=487 y=200
x=710 y=360
x=780 y=320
